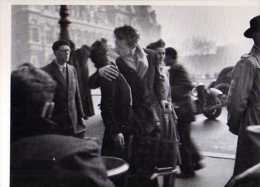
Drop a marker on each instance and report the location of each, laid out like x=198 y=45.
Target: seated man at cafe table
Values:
x=39 y=156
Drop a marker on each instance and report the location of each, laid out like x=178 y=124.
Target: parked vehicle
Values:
x=223 y=80
x=208 y=101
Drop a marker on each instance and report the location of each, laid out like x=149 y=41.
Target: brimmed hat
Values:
x=254 y=27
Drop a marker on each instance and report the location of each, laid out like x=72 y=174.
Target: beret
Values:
x=53 y=160
x=59 y=43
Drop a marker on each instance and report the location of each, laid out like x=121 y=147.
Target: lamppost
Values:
x=64 y=23
x=64 y=26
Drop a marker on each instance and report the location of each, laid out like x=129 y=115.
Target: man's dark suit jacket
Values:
x=55 y=160
x=68 y=110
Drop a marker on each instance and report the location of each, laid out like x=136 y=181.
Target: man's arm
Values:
x=241 y=85
x=179 y=81
x=109 y=72
x=79 y=106
x=93 y=81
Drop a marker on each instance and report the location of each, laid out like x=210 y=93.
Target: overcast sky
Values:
x=222 y=24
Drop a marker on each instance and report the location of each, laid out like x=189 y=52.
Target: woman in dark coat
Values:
x=163 y=90
x=115 y=104
x=180 y=89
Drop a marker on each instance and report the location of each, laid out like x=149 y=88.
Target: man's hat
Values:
x=254 y=27
x=59 y=43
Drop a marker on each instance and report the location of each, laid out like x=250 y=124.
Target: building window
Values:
x=134 y=22
x=35 y=34
x=34 y=61
x=49 y=35
x=119 y=21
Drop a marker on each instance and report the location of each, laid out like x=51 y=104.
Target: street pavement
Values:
x=213 y=136
x=216 y=173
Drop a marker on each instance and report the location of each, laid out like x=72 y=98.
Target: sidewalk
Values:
x=218 y=167
x=216 y=173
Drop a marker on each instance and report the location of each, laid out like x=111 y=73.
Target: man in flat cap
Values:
x=244 y=103
x=68 y=112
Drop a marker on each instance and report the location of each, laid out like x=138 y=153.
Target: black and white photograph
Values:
x=144 y=93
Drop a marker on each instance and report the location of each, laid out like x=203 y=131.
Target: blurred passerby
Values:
x=39 y=157
x=180 y=90
x=244 y=102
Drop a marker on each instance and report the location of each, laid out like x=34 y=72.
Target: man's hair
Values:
x=59 y=43
x=154 y=45
x=127 y=33
x=170 y=51
x=30 y=86
x=99 y=52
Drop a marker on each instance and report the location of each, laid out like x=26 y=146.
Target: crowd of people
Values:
x=145 y=106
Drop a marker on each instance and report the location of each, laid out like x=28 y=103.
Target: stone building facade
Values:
x=35 y=28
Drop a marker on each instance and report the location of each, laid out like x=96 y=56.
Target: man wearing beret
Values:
x=244 y=103
x=68 y=112
x=40 y=157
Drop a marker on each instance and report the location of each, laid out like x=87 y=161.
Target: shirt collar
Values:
x=256 y=52
x=257 y=48
x=61 y=66
x=133 y=51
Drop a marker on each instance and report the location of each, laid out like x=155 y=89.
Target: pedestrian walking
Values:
x=181 y=87
x=168 y=116
x=68 y=112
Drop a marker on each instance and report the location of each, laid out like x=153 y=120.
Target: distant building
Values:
x=211 y=64
x=35 y=28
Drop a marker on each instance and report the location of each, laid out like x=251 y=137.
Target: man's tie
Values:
x=64 y=72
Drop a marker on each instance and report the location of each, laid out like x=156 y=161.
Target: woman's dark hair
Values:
x=127 y=33
x=82 y=54
x=98 y=53
x=170 y=51
x=154 y=45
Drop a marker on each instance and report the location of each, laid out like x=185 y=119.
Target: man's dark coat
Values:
x=68 y=111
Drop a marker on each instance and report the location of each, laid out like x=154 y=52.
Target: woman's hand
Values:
x=119 y=139
x=109 y=72
x=166 y=105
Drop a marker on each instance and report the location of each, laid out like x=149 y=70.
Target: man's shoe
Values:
x=198 y=166
x=185 y=175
